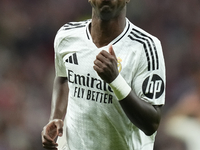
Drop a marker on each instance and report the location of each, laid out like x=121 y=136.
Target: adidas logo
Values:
x=72 y=59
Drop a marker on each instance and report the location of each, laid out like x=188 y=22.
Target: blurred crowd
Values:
x=27 y=31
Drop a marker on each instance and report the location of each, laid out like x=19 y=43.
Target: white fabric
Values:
x=120 y=87
x=95 y=119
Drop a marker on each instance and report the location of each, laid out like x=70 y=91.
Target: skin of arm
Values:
x=59 y=98
x=58 y=110
x=142 y=114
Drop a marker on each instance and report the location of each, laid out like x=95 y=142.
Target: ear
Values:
x=127 y=1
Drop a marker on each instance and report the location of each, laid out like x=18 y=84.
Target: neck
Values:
x=104 y=31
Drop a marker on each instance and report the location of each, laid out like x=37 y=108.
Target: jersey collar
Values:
x=116 y=40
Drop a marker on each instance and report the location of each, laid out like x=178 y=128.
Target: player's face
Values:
x=106 y=9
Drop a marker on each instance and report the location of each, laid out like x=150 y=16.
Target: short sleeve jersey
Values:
x=95 y=119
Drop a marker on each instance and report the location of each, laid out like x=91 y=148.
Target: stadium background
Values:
x=27 y=31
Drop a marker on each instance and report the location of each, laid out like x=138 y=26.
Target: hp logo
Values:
x=153 y=86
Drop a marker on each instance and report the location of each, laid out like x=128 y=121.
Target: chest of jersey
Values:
x=86 y=87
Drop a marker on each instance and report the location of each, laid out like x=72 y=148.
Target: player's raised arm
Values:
x=58 y=110
x=142 y=114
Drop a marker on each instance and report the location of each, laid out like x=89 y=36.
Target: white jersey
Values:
x=95 y=119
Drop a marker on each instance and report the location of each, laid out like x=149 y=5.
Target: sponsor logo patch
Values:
x=153 y=86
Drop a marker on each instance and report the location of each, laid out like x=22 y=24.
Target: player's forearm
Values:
x=142 y=114
x=59 y=98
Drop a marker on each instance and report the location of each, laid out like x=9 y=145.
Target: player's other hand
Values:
x=50 y=132
x=106 y=65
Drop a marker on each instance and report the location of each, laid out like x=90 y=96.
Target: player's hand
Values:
x=50 y=132
x=106 y=65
